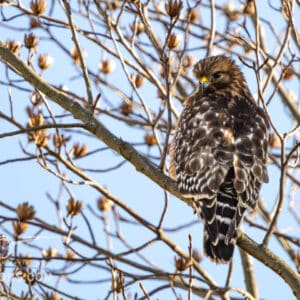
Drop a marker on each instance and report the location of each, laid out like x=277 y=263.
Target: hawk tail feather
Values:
x=220 y=232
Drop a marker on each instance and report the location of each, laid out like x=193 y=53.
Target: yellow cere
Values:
x=204 y=79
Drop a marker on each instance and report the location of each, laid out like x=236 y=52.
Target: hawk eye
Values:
x=217 y=75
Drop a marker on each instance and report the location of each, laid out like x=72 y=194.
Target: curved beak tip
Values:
x=204 y=82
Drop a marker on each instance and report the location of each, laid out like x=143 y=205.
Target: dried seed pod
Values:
x=52 y=296
x=45 y=61
x=23 y=262
x=49 y=253
x=34 y=23
x=150 y=139
x=19 y=228
x=107 y=66
x=248 y=48
x=288 y=73
x=25 y=212
x=35 y=120
x=113 y=5
x=104 y=204
x=79 y=151
x=70 y=255
x=249 y=8
x=13 y=46
x=274 y=141
x=38 y=7
x=75 y=55
x=194 y=15
x=138 y=28
x=139 y=80
x=174 y=41
x=231 y=12
x=31 y=41
x=40 y=138
x=36 y=98
x=182 y=264
x=73 y=207
x=126 y=108
x=173 y=8
x=59 y=140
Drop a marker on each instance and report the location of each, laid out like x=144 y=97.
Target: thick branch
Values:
x=275 y=263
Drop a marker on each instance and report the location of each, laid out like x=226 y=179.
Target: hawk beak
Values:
x=204 y=82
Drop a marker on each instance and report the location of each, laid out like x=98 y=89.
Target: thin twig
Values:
x=79 y=52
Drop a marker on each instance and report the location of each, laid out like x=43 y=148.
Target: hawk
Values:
x=219 y=152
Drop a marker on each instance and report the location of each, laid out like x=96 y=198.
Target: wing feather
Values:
x=202 y=151
x=250 y=160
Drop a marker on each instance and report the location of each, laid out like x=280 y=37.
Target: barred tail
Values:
x=222 y=218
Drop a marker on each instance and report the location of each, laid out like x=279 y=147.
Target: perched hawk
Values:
x=219 y=152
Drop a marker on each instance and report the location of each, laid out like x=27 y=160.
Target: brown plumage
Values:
x=219 y=152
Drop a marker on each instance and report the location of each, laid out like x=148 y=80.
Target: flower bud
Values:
x=25 y=212
x=126 y=108
x=75 y=55
x=174 y=41
x=231 y=12
x=73 y=207
x=40 y=138
x=288 y=73
x=36 y=120
x=34 y=23
x=274 y=141
x=19 y=227
x=150 y=139
x=49 y=253
x=107 y=66
x=79 y=151
x=45 y=61
x=194 y=15
x=138 y=28
x=31 y=41
x=249 y=8
x=36 y=98
x=114 y=4
x=38 y=7
x=59 y=140
x=173 y=8
x=104 y=204
x=13 y=46
x=182 y=263
x=137 y=80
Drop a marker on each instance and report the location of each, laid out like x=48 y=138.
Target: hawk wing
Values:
x=250 y=159
x=202 y=149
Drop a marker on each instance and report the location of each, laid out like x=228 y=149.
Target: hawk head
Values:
x=220 y=73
